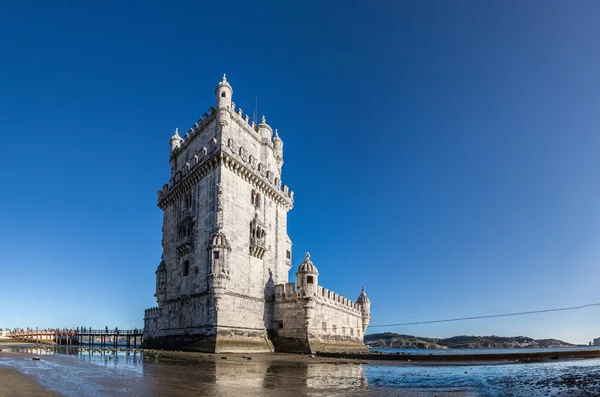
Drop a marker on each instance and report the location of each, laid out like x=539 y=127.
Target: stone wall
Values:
x=322 y=322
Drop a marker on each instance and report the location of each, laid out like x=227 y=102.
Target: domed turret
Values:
x=365 y=304
x=223 y=92
x=176 y=140
x=264 y=130
x=307 y=277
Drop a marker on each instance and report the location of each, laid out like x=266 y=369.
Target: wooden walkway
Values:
x=80 y=337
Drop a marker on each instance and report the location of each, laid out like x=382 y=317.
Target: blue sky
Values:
x=443 y=154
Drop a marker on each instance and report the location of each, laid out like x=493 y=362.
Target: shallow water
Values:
x=127 y=373
x=482 y=351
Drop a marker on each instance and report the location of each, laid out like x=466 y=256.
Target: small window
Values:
x=343 y=330
x=334 y=328
x=186 y=268
x=280 y=324
x=223 y=95
x=215 y=254
x=351 y=331
x=288 y=254
x=188 y=201
x=255 y=199
x=324 y=325
x=309 y=279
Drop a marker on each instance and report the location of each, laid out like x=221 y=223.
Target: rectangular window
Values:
x=343 y=330
x=351 y=331
x=288 y=254
x=334 y=328
x=324 y=326
x=309 y=279
x=280 y=324
x=215 y=254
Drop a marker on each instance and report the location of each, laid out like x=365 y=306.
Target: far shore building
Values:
x=222 y=284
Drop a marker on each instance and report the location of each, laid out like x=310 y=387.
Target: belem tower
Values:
x=222 y=284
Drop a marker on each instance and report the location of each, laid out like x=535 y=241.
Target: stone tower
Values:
x=225 y=241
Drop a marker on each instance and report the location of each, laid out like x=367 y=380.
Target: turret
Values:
x=219 y=249
x=264 y=130
x=307 y=277
x=223 y=93
x=278 y=150
x=365 y=306
x=218 y=271
x=176 y=140
x=161 y=283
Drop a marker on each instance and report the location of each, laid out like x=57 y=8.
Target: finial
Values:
x=224 y=78
x=176 y=131
x=307 y=256
x=276 y=134
x=363 y=289
x=263 y=120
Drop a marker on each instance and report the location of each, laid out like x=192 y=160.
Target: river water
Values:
x=128 y=373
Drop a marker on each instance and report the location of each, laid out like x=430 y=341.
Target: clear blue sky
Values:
x=443 y=153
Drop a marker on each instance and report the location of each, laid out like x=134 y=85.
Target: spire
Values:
x=276 y=134
x=224 y=80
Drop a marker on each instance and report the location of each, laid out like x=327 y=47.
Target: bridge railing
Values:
x=25 y=333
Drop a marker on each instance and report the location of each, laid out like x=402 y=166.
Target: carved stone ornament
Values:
x=232 y=145
x=243 y=154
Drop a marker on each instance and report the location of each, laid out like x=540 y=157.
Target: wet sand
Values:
x=14 y=383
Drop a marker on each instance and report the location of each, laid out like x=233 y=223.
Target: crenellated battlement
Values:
x=151 y=313
x=327 y=296
x=243 y=120
x=288 y=291
x=236 y=158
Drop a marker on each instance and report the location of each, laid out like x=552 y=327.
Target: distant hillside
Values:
x=393 y=340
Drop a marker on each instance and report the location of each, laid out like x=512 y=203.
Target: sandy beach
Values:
x=14 y=383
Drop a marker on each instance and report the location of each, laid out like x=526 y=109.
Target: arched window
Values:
x=255 y=198
x=223 y=95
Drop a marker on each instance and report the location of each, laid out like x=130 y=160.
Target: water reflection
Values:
x=110 y=372
x=77 y=372
x=253 y=379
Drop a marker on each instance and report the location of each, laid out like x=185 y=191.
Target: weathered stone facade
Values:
x=222 y=283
